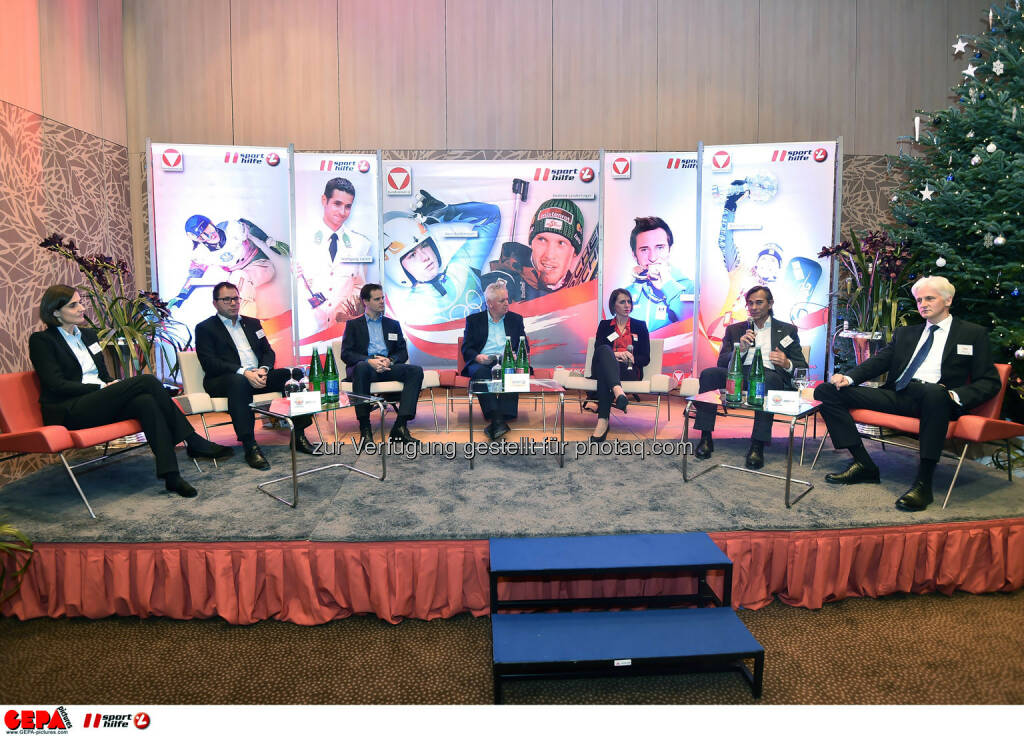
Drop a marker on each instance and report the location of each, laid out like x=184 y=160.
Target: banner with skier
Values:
x=222 y=213
x=451 y=228
x=767 y=210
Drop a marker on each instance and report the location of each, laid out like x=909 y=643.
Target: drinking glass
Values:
x=800 y=379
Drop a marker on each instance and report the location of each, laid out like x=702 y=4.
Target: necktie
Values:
x=333 y=250
x=917 y=362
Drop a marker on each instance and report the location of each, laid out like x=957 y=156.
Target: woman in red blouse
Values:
x=622 y=348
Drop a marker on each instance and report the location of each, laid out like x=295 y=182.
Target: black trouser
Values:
x=239 y=393
x=411 y=377
x=142 y=398
x=609 y=373
x=714 y=377
x=494 y=406
x=929 y=402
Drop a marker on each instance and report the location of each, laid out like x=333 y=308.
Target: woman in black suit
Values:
x=78 y=392
x=622 y=348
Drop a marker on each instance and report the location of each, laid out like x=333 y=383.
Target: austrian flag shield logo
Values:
x=172 y=160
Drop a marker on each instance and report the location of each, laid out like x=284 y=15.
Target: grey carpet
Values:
x=440 y=498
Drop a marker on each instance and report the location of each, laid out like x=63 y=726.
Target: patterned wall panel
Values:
x=52 y=178
x=867 y=187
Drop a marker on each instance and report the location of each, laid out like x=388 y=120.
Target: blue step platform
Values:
x=622 y=642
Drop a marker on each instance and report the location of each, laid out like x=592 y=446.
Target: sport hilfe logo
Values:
x=586 y=174
x=681 y=163
x=364 y=166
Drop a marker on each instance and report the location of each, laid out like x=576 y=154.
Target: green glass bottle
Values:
x=734 y=377
x=755 y=389
x=316 y=373
x=523 y=357
x=508 y=359
x=331 y=386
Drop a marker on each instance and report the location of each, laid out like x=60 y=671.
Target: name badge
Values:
x=661 y=312
x=260 y=333
x=635 y=338
x=95 y=348
x=786 y=341
x=965 y=350
x=613 y=337
x=392 y=336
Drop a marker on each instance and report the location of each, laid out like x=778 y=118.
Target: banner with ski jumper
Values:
x=336 y=246
x=223 y=213
x=451 y=228
x=767 y=210
x=650 y=244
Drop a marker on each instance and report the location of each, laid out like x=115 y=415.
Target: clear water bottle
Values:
x=292 y=384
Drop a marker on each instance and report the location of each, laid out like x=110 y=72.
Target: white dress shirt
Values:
x=246 y=356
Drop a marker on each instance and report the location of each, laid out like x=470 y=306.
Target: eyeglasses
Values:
x=229 y=299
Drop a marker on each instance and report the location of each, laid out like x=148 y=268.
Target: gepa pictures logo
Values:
x=37 y=720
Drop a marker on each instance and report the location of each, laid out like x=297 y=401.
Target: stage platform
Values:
x=415 y=544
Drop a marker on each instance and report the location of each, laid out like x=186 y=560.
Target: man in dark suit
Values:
x=935 y=374
x=483 y=344
x=373 y=349
x=781 y=353
x=238 y=362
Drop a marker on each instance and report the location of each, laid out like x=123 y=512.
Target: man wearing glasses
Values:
x=239 y=362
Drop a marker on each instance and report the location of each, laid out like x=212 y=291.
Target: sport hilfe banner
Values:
x=650 y=244
x=223 y=213
x=766 y=211
x=336 y=250
x=451 y=228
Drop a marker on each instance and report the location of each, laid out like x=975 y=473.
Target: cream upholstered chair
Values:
x=431 y=380
x=654 y=383
x=194 y=399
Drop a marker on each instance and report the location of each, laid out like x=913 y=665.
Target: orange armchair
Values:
x=22 y=430
x=982 y=426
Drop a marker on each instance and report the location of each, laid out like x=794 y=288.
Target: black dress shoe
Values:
x=182 y=487
x=704 y=448
x=501 y=428
x=254 y=456
x=856 y=473
x=400 y=433
x=200 y=447
x=621 y=402
x=915 y=499
x=304 y=445
x=366 y=434
x=755 y=457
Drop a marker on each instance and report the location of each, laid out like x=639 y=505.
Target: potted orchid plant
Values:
x=873 y=297
x=134 y=325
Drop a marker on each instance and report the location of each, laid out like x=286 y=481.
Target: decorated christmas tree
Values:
x=962 y=193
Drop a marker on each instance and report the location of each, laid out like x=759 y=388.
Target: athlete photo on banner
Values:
x=766 y=211
x=650 y=245
x=451 y=228
x=222 y=213
x=336 y=249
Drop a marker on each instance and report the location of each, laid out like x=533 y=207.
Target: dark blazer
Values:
x=641 y=346
x=60 y=373
x=973 y=377
x=475 y=337
x=780 y=331
x=356 y=341
x=217 y=352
